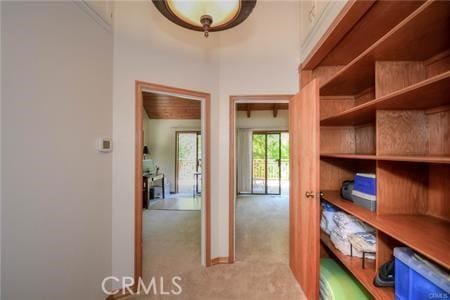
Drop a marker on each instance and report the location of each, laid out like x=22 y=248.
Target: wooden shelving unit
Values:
x=420 y=36
x=385 y=109
x=354 y=265
x=422 y=95
x=412 y=230
x=361 y=213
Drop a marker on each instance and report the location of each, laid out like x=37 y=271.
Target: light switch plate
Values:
x=104 y=144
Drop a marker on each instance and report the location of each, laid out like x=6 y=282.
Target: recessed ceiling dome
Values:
x=206 y=16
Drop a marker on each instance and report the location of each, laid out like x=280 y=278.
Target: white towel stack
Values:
x=349 y=228
x=327 y=223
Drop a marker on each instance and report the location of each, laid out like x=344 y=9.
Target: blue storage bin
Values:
x=364 y=191
x=365 y=183
x=415 y=278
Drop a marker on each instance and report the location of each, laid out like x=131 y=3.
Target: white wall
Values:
x=160 y=137
x=148 y=47
x=260 y=56
x=316 y=17
x=56 y=99
x=263 y=119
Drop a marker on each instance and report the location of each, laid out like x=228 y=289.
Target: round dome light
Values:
x=206 y=16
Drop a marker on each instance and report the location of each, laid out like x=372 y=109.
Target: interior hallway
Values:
x=261 y=272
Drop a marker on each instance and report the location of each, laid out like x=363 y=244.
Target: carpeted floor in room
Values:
x=171 y=243
x=182 y=202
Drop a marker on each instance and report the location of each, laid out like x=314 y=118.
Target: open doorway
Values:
x=161 y=120
x=259 y=180
x=188 y=162
x=270 y=162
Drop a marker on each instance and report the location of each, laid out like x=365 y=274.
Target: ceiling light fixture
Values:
x=206 y=15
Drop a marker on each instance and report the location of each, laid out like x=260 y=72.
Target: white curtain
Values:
x=244 y=160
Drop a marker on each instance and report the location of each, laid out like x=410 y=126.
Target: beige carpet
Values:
x=172 y=248
x=179 y=203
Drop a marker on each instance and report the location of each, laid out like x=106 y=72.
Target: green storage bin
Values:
x=337 y=284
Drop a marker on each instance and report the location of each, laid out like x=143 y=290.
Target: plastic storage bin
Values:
x=416 y=278
x=364 y=202
x=364 y=191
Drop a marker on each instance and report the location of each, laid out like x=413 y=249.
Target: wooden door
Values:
x=304 y=208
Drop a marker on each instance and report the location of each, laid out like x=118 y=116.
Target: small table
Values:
x=149 y=179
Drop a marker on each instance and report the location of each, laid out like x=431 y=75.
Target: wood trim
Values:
x=439 y=109
x=121 y=295
x=231 y=179
x=271 y=131
x=221 y=260
x=138 y=183
x=437 y=57
x=231 y=150
x=176 y=162
x=334 y=98
x=256 y=98
x=207 y=168
x=171 y=90
x=141 y=86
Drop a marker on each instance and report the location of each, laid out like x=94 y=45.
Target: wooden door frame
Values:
x=141 y=86
x=176 y=152
x=283 y=98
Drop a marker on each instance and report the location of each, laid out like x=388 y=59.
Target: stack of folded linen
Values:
x=346 y=226
x=327 y=223
x=363 y=242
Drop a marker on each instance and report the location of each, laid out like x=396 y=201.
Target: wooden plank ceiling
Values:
x=160 y=106
x=274 y=107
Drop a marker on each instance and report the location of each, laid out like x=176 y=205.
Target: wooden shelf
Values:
x=406 y=158
x=354 y=265
x=384 y=105
x=432 y=92
x=347 y=37
x=361 y=213
x=421 y=35
x=427 y=235
x=349 y=156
